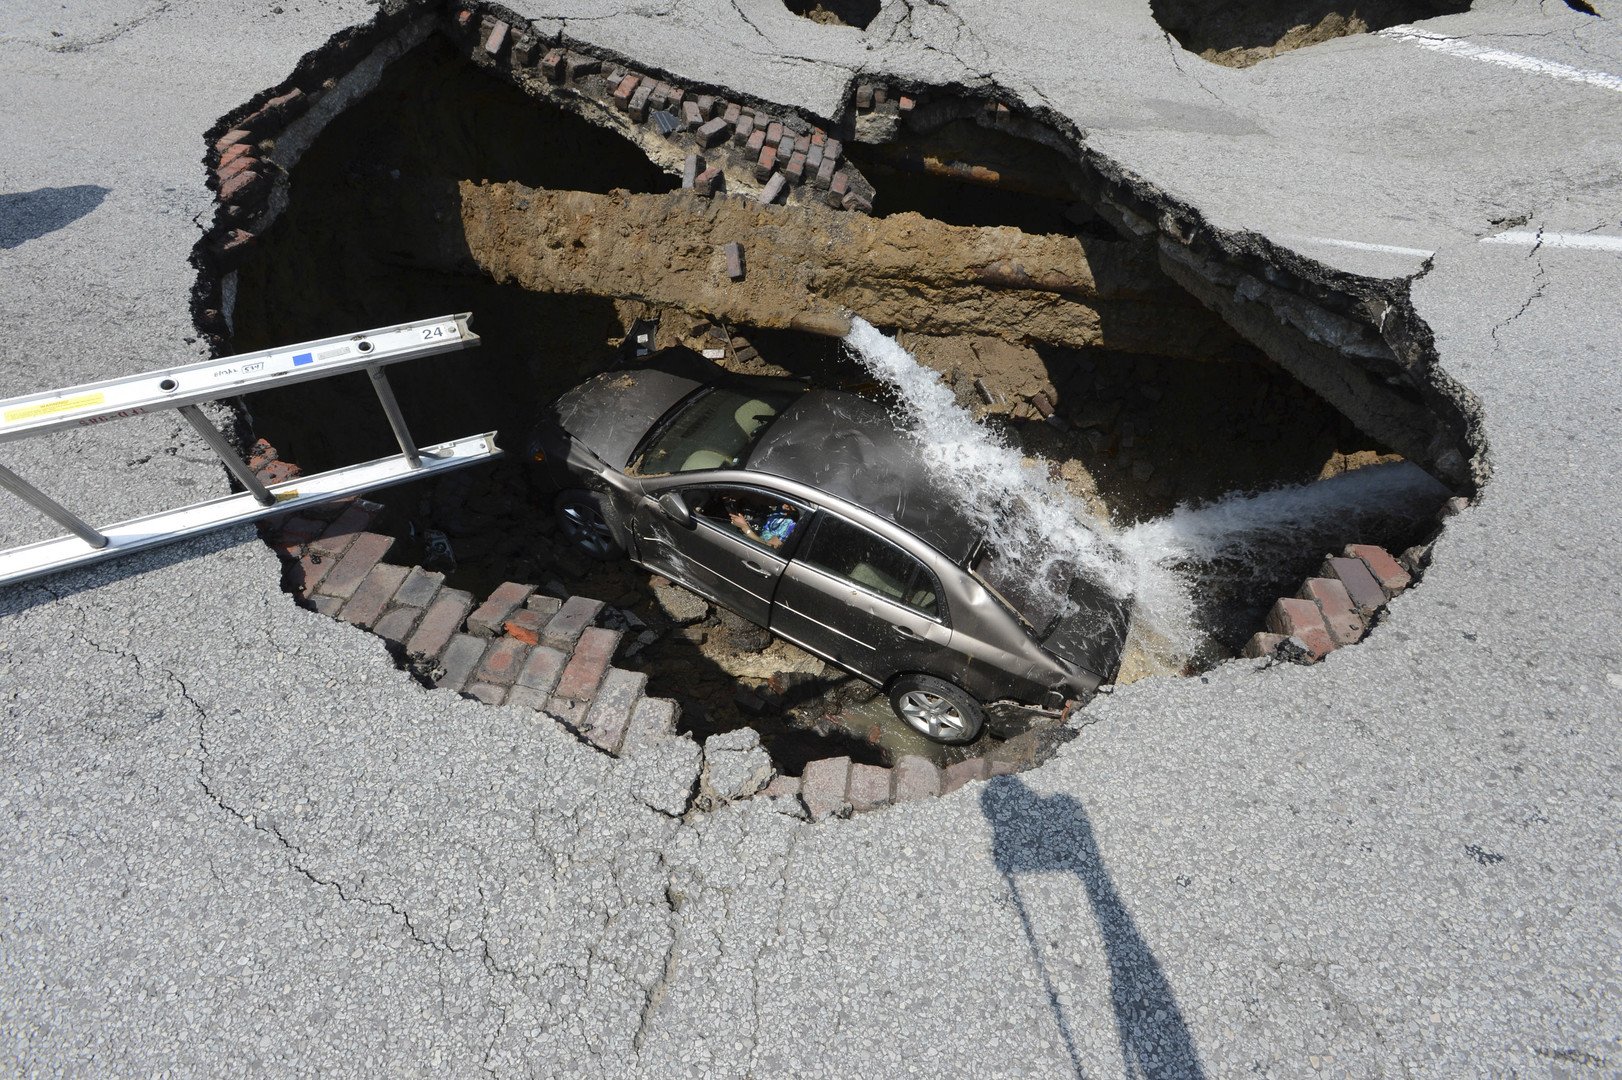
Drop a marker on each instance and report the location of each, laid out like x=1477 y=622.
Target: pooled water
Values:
x=1172 y=567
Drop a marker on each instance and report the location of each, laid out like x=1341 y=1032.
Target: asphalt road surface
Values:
x=237 y=839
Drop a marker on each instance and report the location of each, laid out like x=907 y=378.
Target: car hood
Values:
x=1093 y=634
x=609 y=413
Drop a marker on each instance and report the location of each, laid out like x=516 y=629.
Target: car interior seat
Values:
x=704 y=459
x=752 y=414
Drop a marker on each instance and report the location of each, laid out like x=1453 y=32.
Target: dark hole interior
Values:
x=1242 y=34
x=856 y=13
x=1136 y=434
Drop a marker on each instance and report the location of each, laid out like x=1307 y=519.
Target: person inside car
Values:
x=774 y=531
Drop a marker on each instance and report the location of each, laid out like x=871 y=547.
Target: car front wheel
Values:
x=936 y=709
x=581 y=519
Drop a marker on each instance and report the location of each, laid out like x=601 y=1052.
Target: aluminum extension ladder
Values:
x=183 y=388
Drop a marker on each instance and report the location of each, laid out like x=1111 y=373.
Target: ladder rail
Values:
x=155 y=530
x=183 y=389
x=123 y=398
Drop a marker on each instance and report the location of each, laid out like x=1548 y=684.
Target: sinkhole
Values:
x=473 y=180
x=1243 y=34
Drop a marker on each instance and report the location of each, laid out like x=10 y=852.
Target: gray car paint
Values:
x=979 y=644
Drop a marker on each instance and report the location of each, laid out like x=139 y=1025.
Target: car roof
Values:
x=850 y=447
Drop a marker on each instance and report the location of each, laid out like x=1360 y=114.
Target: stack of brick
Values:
x=789 y=159
x=838 y=787
x=1334 y=609
x=517 y=647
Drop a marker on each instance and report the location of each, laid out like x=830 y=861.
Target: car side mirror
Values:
x=675 y=508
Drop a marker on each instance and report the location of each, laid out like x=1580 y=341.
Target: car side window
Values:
x=758 y=516
x=872 y=562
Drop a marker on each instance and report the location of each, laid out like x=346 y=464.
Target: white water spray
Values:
x=1160 y=564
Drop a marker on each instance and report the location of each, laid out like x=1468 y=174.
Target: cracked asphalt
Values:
x=237 y=838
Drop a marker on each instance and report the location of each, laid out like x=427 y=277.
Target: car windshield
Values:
x=715 y=430
x=1039 y=599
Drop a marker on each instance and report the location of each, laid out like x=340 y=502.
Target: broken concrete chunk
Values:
x=682 y=606
x=736 y=766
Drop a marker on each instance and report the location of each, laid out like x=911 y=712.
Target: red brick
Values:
x=712 y=132
x=795 y=169
x=869 y=787
x=691 y=117
x=241 y=187
x=832 y=149
x=552 y=65
x=232 y=138
x=907 y=103
x=1335 y=605
x=638 y=108
x=1386 y=570
x=235 y=165
x=303 y=576
x=1262 y=644
x=745 y=131
x=623 y=92
x=756 y=143
x=578 y=65
x=373 y=594
x=526 y=626
x=955 y=776
x=709 y=181
x=366 y=552
x=588 y=664
x=1365 y=592
x=822 y=787
x=864 y=96
x=766 y=163
x=565 y=628
x=508 y=598
x=487 y=693
x=781 y=786
x=1301 y=620
x=497 y=38
x=819 y=137
x=278 y=472
x=355 y=519
x=825 y=172
x=774 y=134
x=419 y=588
x=786 y=145
x=732 y=114
x=440 y=623
x=734 y=254
x=916 y=778
x=706 y=105
x=543 y=668
x=397 y=623
x=502 y=662
x=460 y=659
x=774 y=187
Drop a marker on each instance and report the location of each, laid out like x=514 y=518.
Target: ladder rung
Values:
x=49 y=556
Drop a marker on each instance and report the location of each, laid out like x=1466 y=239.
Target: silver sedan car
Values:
x=805 y=511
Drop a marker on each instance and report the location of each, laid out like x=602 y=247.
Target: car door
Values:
x=862 y=601
x=733 y=550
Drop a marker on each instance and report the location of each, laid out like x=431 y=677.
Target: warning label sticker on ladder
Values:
x=51 y=408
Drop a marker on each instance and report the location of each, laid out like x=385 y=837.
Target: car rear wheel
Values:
x=580 y=517
x=936 y=709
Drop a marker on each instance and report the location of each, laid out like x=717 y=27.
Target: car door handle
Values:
x=757 y=568
x=905 y=631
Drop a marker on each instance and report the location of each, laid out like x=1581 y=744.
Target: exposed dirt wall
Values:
x=806 y=268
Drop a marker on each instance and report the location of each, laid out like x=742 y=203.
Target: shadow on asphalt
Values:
x=29 y=215
x=1035 y=834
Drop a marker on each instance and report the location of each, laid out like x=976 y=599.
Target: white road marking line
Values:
x=1459 y=47
x=1359 y=245
x=1583 y=241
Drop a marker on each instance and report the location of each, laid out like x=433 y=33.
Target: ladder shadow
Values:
x=62 y=584
x=29 y=215
x=1036 y=834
